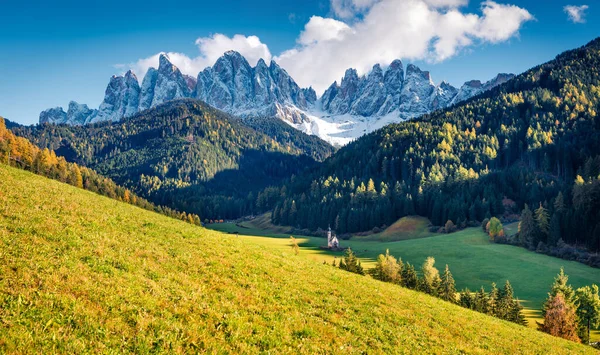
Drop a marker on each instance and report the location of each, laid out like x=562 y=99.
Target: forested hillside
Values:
x=521 y=143
x=187 y=155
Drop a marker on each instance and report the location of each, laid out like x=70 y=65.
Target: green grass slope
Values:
x=80 y=273
x=410 y=227
x=473 y=260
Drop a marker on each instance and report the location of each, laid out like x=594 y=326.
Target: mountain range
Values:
x=345 y=111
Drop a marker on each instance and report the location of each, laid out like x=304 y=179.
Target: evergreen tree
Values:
x=516 y=313
x=560 y=319
x=505 y=302
x=542 y=223
x=527 y=228
x=409 y=277
x=447 y=287
x=555 y=229
x=493 y=301
x=561 y=286
x=466 y=299
x=588 y=310
x=481 y=301
x=351 y=263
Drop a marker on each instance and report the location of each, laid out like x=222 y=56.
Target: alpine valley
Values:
x=236 y=212
x=345 y=111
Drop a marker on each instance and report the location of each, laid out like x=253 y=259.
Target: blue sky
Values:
x=54 y=52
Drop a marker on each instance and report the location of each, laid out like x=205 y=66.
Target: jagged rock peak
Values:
x=414 y=70
x=165 y=65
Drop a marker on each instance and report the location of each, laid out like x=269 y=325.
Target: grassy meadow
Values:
x=473 y=260
x=80 y=273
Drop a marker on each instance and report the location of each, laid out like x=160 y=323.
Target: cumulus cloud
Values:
x=380 y=31
x=364 y=33
x=323 y=29
x=347 y=9
x=211 y=48
x=576 y=13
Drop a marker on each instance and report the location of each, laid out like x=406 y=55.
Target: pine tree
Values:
x=466 y=299
x=527 y=228
x=516 y=313
x=560 y=319
x=409 y=277
x=588 y=310
x=351 y=263
x=481 y=301
x=560 y=285
x=542 y=223
x=555 y=229
x=447 y=287
x=505 y=302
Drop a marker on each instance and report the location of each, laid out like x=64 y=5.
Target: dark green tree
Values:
x=447 y=287
x=409 y=277
x=588 y=310
x=351 y=263
x=527 y=228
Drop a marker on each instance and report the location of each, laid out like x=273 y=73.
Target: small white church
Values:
x=332 y=241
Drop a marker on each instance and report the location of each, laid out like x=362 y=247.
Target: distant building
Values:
x=332 y=241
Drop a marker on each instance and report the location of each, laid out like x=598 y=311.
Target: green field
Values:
x=411 y=227
x=473 y=260
x=81 y=273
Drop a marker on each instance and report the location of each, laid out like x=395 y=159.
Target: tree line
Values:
x=499 y=303
x=568 y=313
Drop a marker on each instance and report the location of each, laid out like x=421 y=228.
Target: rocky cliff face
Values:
x=236 y=87
x=384 y=91
x=76 y=114
x=232 y=85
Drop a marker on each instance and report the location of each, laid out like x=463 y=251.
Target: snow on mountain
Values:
x=76 y=114
x=53 y=115
x=121 y=98
x=232 y=85
x=345 y=111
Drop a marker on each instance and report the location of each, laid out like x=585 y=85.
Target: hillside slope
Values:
x=85 y=274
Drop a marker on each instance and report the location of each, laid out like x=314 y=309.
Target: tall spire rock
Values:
x=234 y=86
x=121 y=98
x=167 y=83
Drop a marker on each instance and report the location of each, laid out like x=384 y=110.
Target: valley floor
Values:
x=473 y=260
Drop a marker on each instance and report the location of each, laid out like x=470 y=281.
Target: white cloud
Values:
x=576 y=13
x=346 y=9
x=323 y=29
x=371 y=32
x=211 y=48
x=384 y=30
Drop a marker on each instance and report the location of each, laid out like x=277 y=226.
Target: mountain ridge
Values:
x=234 y=86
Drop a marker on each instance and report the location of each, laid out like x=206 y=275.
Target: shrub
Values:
x=450 y=227
x=495 y=229
x=484 y=224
